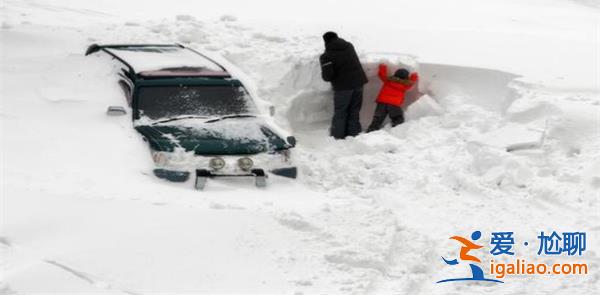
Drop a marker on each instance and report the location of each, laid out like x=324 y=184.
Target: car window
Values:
x=158 y=102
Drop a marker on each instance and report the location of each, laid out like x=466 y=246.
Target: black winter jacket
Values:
x=341 y=67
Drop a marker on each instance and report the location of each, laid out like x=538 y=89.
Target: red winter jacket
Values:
x=393 y=89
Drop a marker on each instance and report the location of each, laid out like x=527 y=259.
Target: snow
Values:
x=505 y=137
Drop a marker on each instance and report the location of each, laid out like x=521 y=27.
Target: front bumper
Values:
x=179 y=166
x=183 y=176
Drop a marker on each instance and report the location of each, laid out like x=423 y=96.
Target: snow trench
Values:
x=310 y=105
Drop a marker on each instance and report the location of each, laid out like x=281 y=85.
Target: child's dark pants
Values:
x=381 y=111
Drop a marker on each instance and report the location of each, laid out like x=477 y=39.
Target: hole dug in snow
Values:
x=310 y=106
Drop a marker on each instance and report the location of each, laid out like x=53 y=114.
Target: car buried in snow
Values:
x=195 y=116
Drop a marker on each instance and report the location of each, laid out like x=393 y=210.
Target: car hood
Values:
x=227 y=137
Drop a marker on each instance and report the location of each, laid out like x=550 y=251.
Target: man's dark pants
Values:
x=346 y=116
x=381 y=111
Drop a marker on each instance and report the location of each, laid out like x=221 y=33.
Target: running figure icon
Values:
x=467 y=246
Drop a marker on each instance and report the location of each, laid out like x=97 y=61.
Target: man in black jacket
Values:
x=341 y=67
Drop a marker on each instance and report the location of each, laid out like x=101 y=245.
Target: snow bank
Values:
x=308 y=99
x=310 y=104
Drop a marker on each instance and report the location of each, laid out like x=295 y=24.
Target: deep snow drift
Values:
x=504 y=135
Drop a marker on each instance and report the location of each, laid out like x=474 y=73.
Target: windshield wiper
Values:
x=229 y=117
x=179 y=118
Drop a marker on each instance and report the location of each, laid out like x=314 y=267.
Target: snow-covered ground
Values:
x=505 y=138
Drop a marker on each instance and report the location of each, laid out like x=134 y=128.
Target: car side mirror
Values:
x=116 y=111
x=291 y=140
x=272 y=111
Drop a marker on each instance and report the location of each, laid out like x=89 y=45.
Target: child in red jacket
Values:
x=391 y=96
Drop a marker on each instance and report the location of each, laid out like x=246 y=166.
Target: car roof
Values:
x=153 y=61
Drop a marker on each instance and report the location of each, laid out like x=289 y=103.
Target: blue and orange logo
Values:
x=465 y=257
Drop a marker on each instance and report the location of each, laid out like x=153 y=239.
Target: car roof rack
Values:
x=156 y=61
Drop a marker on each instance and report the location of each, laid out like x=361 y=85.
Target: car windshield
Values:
x=163 y=102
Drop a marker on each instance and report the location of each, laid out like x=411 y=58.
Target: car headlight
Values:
x=160 y=158
x=245 y=163
x=216 y=163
